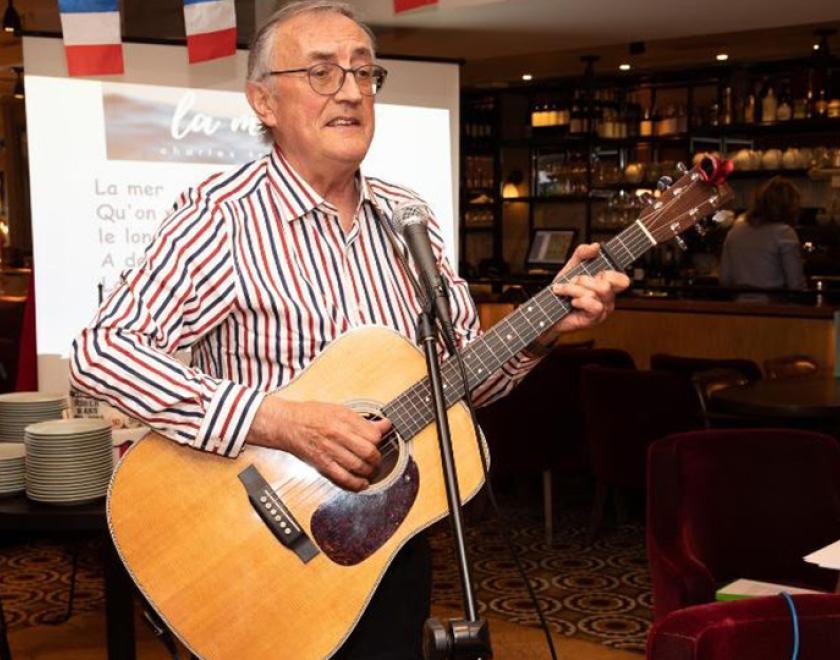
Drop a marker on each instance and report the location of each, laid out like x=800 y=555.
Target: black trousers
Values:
x=392 y=626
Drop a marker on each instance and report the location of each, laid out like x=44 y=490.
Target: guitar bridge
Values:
x=275 y=515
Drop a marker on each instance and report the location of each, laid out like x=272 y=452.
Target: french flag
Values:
x=92 y=38
x=211 y=29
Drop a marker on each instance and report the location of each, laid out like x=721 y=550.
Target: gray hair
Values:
x=259 y=56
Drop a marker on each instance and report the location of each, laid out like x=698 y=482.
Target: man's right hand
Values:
x=339 y=443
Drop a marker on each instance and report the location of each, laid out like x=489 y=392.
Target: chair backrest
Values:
x=791 y=366
x=707 y=382
x=688 y=366
x=627 y=410
x=544 y=411
x=745 y=502
x=576 y=345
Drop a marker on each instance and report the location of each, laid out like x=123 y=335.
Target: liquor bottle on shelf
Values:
x=578 y=123
x=646 y=124
x=784 y=111
x=821 y=104
x=749 y=109
x=805 y=110
x=833 y=110
x=726 y=108
x=667 y=124
x=768 y=104
x=682 y=119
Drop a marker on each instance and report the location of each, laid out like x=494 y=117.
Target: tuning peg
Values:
x=647 y=199
x=664 y=183
x=680 y=243
x=723 y=216
x=700 y=229
x=681 y=168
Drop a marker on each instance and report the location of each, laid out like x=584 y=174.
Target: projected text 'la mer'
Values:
x=130 y=205
x=185 y=121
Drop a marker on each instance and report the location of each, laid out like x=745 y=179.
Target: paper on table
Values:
x=827 y=557
x=751 y=588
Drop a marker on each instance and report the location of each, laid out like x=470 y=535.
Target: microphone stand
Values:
x=457 y=638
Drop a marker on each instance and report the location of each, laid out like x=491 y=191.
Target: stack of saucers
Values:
x=12 y=468
x=20 y=409
x=68 y=461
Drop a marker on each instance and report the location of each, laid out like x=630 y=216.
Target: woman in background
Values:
x=762 y=250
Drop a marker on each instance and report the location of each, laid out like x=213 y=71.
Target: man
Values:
x=259 y=270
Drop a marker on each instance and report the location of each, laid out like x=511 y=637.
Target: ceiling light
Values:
x=624 y=67
x=527 y=76
x=722 y=57
x=11 y=19
x=816 y=46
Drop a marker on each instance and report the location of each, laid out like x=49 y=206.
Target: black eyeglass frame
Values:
x=308 y=70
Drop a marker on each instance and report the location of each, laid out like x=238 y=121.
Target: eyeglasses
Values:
x=327 y=77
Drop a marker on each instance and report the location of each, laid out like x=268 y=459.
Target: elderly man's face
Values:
x=310 y=127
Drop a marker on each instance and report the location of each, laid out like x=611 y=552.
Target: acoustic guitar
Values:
x=262 y=557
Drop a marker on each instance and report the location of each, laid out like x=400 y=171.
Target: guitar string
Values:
x=316 y=485
x=633 y=243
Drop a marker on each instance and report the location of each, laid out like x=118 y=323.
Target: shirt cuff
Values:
x=228 y=419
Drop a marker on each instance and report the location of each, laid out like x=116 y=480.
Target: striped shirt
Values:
x=254 y=274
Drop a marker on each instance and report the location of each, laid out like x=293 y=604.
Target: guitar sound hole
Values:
x=389 y=451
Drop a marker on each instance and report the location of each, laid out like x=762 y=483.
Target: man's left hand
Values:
x=592 y=298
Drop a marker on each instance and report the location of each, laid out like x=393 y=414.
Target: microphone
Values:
x=410 y=220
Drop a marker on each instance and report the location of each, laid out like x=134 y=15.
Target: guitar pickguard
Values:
x=351 y=527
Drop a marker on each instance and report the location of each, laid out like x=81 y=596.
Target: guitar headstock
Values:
x=698 y=193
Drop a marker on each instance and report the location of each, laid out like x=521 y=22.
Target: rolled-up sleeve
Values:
x=183 y=289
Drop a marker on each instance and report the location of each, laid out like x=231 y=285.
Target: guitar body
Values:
x=182 y=521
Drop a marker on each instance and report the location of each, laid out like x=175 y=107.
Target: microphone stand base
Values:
x=456 y=638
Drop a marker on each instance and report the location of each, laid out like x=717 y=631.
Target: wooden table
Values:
x=813 y=399
x=19 y=514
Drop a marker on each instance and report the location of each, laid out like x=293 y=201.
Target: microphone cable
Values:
x=794 y=617
x=449 y=341
x=497 y=510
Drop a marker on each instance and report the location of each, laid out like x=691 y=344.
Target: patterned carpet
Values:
x=35 y=581
x=597 y=592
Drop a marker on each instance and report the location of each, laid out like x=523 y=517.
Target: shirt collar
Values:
x=297 y=197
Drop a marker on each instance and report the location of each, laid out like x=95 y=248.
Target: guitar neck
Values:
x=411 y=411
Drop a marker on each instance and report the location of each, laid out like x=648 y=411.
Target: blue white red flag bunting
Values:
x=92 y=38
x=211 y=29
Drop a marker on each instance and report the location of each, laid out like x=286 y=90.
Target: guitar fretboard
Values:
x=412 y=411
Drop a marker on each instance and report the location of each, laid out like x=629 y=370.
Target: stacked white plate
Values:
x=68 y=460
x=12 y=469
x=20 y=409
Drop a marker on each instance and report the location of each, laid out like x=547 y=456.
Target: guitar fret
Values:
x=618 y=240
x=411 y=411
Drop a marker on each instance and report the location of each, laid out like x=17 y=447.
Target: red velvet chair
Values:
x=750 y=629
x=739 y=503
x=539 y=427
x=625 y=412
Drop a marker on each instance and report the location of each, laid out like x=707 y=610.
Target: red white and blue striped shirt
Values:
x=253 y=273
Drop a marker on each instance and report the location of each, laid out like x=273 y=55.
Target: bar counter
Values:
x=646 y=322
